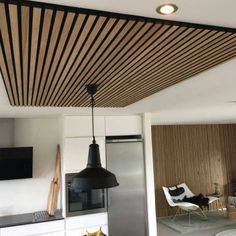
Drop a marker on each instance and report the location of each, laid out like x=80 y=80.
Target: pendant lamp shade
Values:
x=94 y=176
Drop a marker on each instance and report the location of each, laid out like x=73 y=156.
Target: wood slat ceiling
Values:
x=48 y=53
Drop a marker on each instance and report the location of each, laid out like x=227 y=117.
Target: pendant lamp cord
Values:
x=92 y=100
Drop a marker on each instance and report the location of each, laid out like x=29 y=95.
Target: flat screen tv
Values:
x=16 y=163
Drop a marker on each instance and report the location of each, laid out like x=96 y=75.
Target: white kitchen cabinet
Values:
x=45 y=229
x=86 y=221
x=76 y=153
x=82 y=232
x=123 y=125
x=81 y=126
x=78 y=225
x=52 y=234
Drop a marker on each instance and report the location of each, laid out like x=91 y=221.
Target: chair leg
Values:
x=201 y=214
x=204 y=215
x=176 y=213
x=221 y=206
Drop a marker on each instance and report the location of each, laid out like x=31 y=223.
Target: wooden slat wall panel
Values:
x=25 y=21
x=51 y=48
x=44 y=37
x=139 y=30
x=9 y=60
x=87 y=41
x=198 y=155
x=14 y=26
x=52 y=52
x=118 y=42
x=36 y=18
x=5 y=74
x=73 y=45
x=88 y=59
x=66 y=27
x=227 y=140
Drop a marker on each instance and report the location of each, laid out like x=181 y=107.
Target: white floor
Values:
x=163 y=230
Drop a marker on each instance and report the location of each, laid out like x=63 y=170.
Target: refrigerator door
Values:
x=127 y=202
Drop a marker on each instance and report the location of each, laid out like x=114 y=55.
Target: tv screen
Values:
x=16 y=163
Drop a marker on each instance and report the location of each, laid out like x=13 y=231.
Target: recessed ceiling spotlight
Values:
x=167 y=9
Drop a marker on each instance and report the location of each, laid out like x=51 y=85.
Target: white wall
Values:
x=29 y=195
x=6 y=132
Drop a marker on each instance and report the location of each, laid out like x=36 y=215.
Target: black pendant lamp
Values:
x=93 y=176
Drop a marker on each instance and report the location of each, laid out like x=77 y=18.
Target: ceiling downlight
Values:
x=167 y=9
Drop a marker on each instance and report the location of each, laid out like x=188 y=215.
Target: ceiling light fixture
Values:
x=93 y=176
x=167 y=9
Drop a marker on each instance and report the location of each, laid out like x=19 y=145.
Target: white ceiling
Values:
x=214 y=12
x=203 y=99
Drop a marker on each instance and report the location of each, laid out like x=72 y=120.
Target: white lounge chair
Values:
x=176 y=201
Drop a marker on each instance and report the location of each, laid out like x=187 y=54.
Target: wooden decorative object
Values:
x=55 y=186
x=48 y=53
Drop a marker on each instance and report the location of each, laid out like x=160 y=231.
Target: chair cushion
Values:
x=176 y=200
x=176 y=192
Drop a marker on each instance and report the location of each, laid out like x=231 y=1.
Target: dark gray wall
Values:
x=6 y=132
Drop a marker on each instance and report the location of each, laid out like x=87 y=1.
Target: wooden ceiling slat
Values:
x=195 y=55
x=7 y=47
x=138 y=48
x=154 y=60
x=213 y=44
x=180 y=78
x=106 y=66
x=60 y=57
x=87 y=27
x=76 y=25
x=48 y=54
x=171 y=75
x=117 y=26
x=118 y=38
x=141 y=30
x=202 y=64
x=16 y=47
x=98 y=26
x=136 y=27
x=152 y=63
x=186 y=35
x=44 y=37
x=159 y=52
x=102 y=35
x=62 y=42
x=5 y=74
x=34 y=45
x=25 y=49
x=84 y=40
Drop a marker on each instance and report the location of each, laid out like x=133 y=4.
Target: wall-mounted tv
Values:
x=16 y=163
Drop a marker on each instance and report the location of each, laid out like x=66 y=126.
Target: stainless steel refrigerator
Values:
x=127 y=213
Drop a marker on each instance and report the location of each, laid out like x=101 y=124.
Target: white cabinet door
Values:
x=82 y=232
x=76 y=153
x=86 y=221
x=34 y=229
x=81 y=126
x=78 y=225
x=123 y=125
x=52 y=234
